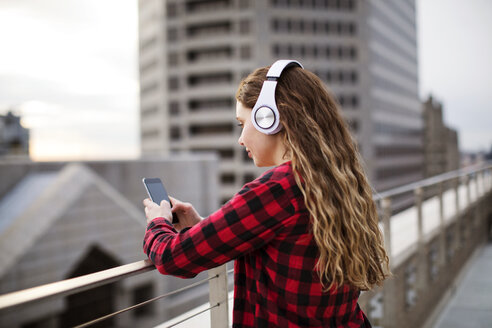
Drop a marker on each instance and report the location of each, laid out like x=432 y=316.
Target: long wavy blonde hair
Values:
x=330 y=176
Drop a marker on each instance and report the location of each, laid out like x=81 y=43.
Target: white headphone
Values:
x=265 y=115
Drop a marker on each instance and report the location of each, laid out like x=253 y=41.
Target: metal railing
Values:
x=217 y=277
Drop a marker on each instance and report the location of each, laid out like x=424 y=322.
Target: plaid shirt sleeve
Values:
x=251 y=219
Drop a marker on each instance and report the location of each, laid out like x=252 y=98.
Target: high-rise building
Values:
x=441 y=152
x=193 y=54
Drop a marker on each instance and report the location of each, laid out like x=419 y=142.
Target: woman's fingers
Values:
x=178 y=205
x=163 y=202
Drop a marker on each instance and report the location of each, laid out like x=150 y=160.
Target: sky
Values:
x=69 y=67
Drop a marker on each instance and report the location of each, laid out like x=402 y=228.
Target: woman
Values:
x=305 y=234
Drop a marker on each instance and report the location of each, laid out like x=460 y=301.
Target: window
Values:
x=211 y=104
x=141 y=294
x=172 y=34
x=245 y=52
x=243 y=4
x=207 y=79
x=244 y=27
x=173 y=83
x=352 y=29
x=175 y=133
x=353 y=53
x=355 y=101
x=226 y=153
x=209 y=29
x=208 y=54
x=354 y=77
x=172 y=10
x=148 y=88
x=148 y=43
x=353 y=125
x=227 y=178
x=152 y=133
x=212 y=129
x=174 y=108
x=275 y=25
x=173 y=59
x=148 y=66
x=149 y=111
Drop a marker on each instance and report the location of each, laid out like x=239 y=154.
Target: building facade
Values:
x=79 y=218
x=441 y=151
x=14 y=138
x=194 y=53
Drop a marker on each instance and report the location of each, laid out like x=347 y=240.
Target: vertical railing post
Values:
x=218 y=295
x=467 y=225
x=422 y=263
x=477 y=189
x=457 y=214
x=442 y=228
x=390 y=304
x=476 y=210
x=386 y=209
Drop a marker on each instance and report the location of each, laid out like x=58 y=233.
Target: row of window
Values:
x=315 y=51
x=230 y=178
x=395 y=130
x=382 y=151
x=227 y=103
x=202 y=130
x=210 y=54
x=348 y=101
x=196 y=105
x=287 y=25
x=199 y=80
x=339 y=76
x=348 y=5
x=210 y=30
x=400 y=171
x=227 y=153
x=199 y=6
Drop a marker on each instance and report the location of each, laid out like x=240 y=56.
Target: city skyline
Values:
x=79 y=93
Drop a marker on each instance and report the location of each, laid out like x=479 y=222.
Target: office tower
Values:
x=193 y=54
x=441 y=152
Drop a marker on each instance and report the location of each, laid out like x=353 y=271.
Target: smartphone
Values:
x=157 y=193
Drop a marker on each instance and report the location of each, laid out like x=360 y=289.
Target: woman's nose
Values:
x=240 y=140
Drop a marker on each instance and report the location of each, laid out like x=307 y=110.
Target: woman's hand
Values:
x=152 y=210
x=187 y=215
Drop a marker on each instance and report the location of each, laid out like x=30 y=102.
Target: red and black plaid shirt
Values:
x=266 y=229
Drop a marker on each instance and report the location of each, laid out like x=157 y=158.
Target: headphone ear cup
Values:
x=264 y=117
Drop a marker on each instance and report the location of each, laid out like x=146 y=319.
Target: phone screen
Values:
x=157 y=192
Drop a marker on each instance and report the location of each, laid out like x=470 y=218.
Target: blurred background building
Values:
x=194 y=53
x=441 y=152
x=60 y=220
x=14 y=138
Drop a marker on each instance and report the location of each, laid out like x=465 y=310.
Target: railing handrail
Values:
x=74 y=285
x=431 y=181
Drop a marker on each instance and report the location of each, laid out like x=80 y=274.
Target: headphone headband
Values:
x=265 y=115
x=277 y=68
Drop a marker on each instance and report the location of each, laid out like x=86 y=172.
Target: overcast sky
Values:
x=69 y=67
